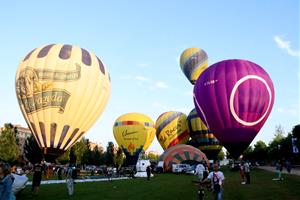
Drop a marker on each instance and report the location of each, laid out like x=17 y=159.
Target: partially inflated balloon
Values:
x=235 y=98
x=61 y=90
x=171 y=129
x=134 y=132
x=193 y=61
x=202 y=138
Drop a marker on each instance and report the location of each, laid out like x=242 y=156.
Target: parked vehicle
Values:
x=180 y=168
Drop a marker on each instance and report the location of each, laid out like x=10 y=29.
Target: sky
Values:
x=140 y=43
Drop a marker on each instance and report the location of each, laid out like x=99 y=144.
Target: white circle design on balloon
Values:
x=237 y=84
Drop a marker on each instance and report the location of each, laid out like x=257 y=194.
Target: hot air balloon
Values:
x=202 y=138
x=193 y=61
x=234 y=98
x=182 y=153
x=171 y=129
x=61 y=90
x=133 y=132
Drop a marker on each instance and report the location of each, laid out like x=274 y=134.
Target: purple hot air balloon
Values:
x=234 y=98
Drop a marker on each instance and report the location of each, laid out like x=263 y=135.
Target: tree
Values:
x=32 y=151
x=79 y=150
x=153 y=156
x=9 y=150
x=248 y=153
x=221 y=155
x=274 y=149
x=110 y=158
x=65 y=158
x=120 y=157
x=260 y=151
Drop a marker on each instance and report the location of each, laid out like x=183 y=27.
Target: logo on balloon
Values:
x=35 y=88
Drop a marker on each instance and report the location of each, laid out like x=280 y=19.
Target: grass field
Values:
x=175 y=187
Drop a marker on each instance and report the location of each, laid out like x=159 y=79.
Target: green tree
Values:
x=110 y=158
x=79 y=150
x=120 y=157
x=260 y=151
x=32 y=151
x=65 y=158
x=9 y=150
x=153 y=157
x=221 y=155
x=274 y=149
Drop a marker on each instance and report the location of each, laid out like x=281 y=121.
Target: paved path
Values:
x=295 y=171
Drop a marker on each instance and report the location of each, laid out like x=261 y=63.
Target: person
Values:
x=37 y=177
x=279 y=170
x=6 y=192
x=247 y=172
x=217 y=178
x=70 y=180
x=199 y=171
x=242 y=172
x=59 y=173
x=148 y=170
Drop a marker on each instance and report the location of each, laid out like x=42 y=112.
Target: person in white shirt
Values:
x=217 y=179
x=199 y=171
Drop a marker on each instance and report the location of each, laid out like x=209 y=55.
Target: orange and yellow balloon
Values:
x=62 y=90
x=193 y=61
x=134 y=132
x=172 y=129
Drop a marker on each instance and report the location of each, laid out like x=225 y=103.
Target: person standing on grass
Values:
x=217 y=179
x=242 y=172
x=199 y=171
x=37 y=177
x=148 y=170
x=279 y=170
x=70 y=180
x=247 y=172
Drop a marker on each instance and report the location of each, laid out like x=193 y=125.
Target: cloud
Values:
x=291 y=110
x=142 y=65
x=161 y=85
x=285 y=44
x=158 y=105
x=141 y=78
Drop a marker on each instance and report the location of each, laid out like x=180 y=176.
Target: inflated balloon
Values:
x=61 y=90
x=171 y=129
x=193 y=61
x=134 y=132
x=202 y=138
x=182 y=153
x=234 y=98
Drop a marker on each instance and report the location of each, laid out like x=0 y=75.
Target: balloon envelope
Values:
x=61 y=90
x=171 y=129
x=134 y=132
x=193 y=61
x=234 y=98
x=182 y=153
x=202 y=138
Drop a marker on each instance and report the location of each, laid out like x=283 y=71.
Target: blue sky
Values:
x=140 y=42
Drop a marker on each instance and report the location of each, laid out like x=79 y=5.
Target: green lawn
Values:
x=169 y=186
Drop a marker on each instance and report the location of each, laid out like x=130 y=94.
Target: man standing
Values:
x=37 y=177
x=217 y=178
x=199 y=171
x=247 y=172
x=148 y=170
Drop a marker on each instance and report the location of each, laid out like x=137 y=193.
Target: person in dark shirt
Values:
x=37 y=177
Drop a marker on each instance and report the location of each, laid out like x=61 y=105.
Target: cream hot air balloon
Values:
x=61 y=90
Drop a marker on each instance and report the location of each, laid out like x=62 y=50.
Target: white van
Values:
x=180 y=168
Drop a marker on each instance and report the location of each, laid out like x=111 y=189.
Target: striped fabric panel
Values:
x=63 y=135
x=34 y=131
x=166 y=122
x=86 y=57
x=44 y=51
x=134 y=123
x=101 y=66
x=65 y=52
x=43 y=132
x=71 y=137
x=182 y=136
x=53 y=127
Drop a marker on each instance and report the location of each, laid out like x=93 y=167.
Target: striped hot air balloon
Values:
x=62 y=90
x=182 y=153
x=202 y=138
x=171 y=129
x=193 y=61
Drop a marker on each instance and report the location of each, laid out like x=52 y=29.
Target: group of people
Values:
x=245 y=172
x=215 y=177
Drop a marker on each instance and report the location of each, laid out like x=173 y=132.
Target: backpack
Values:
x=216 y=185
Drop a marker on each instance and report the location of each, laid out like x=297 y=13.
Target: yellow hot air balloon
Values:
x=193 y=61
x=133 y=132
x=61 y=90
x=172 y=129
